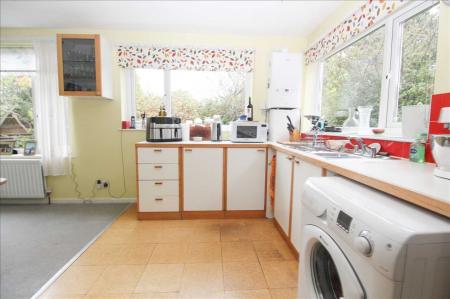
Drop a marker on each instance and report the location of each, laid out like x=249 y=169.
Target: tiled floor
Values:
x=225 y=258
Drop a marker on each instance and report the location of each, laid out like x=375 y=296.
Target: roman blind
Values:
x=370 y=13
x=172 y=58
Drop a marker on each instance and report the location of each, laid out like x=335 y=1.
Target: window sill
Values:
x=370 y=136
x=132 y=130
x=21 y=157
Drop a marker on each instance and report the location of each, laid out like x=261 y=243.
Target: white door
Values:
x=246 y=176
x=325 y=271
x=283 y=190
x=302 y=171
x=203 y=177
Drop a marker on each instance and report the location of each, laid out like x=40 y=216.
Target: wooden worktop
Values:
x=411 y=182
x=201 y=144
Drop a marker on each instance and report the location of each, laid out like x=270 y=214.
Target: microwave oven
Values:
x=248 y=131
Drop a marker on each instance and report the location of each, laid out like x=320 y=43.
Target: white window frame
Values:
x=397 y=43
x=390 y=83
x=33 y=74
x=128 y=79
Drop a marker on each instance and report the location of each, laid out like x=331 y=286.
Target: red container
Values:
x=126 y=124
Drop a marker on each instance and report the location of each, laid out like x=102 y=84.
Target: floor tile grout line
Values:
x=185 y=262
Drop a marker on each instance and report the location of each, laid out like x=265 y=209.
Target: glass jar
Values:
x=351 y=124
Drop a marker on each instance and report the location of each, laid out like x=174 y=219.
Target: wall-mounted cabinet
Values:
x=84 y=65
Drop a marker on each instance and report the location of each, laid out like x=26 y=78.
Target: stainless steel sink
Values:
x=308 y=147
x=337 y=155
x=321 y=151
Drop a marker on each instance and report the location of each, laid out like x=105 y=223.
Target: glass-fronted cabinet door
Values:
x=79 y=65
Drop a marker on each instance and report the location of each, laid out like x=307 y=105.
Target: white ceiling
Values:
x=238 y=17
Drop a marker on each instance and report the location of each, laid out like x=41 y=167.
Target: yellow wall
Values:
x=311 y=96
x=442 y=81
x=442 y=77
x=96 y=138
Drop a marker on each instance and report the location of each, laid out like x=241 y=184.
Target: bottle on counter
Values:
x=133 y=122
x=162 y=111
x=249 y=109
x=143 y=120
x=417 y=149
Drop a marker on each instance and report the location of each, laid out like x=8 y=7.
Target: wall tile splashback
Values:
x=401 y=148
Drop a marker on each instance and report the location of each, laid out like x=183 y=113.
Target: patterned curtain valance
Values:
x=366 y=16
x=168 y=58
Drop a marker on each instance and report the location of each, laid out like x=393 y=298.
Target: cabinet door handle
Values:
x=157 y=150
x=158 y=183
x=261 y=150
x=289 y=158
x=159 y=199
x=188 y=150
x=158 y=166
x=297 y=162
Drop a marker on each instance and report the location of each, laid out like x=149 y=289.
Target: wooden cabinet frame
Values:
x=98 y=73
x=224 y=213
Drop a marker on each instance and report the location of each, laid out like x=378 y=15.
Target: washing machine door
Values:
x=325 y=272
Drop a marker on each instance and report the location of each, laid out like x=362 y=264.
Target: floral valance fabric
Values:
x=168 y=58
x=366 y=16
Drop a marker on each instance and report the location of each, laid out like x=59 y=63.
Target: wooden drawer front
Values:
x=158 y=188
x=157 y=155
x=167 y=203
x=158 y=172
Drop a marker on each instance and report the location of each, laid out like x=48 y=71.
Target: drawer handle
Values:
x=158 y=150
x=261 y=150
x=158 y=166
x=188 y=150
x=159 y=199
x=158 y=183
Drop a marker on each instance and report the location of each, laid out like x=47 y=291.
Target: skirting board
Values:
x=97 y=200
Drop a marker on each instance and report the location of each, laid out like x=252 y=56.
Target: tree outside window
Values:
x=16 y=109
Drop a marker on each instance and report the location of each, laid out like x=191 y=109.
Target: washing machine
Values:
x=361 y=243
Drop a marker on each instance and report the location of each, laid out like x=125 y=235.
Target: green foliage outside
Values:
x=353 y=76
x=420 y=35
x=16 y=98
x=229 y=103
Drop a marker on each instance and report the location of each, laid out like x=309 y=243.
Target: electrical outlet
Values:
x=100 y=184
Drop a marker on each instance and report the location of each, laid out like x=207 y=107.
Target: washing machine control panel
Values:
x=380 y=251
x=343 y=221
x=363 y=243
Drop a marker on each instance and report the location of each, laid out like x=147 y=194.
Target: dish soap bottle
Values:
x=417 y=149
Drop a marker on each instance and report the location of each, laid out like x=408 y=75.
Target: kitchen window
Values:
x=352 y=77
x=390 y=66
x=18 y=68
x=414 y=49
x=189 y=94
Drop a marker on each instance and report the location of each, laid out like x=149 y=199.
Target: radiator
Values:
x=25 y=178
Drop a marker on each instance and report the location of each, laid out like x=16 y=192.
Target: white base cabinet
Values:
x=203 y=179
x=158 y=175
x=282 y=205
x=246 y=177
x=302 y=171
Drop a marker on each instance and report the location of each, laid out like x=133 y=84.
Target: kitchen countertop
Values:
x=200 y=144
x=412 y=182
